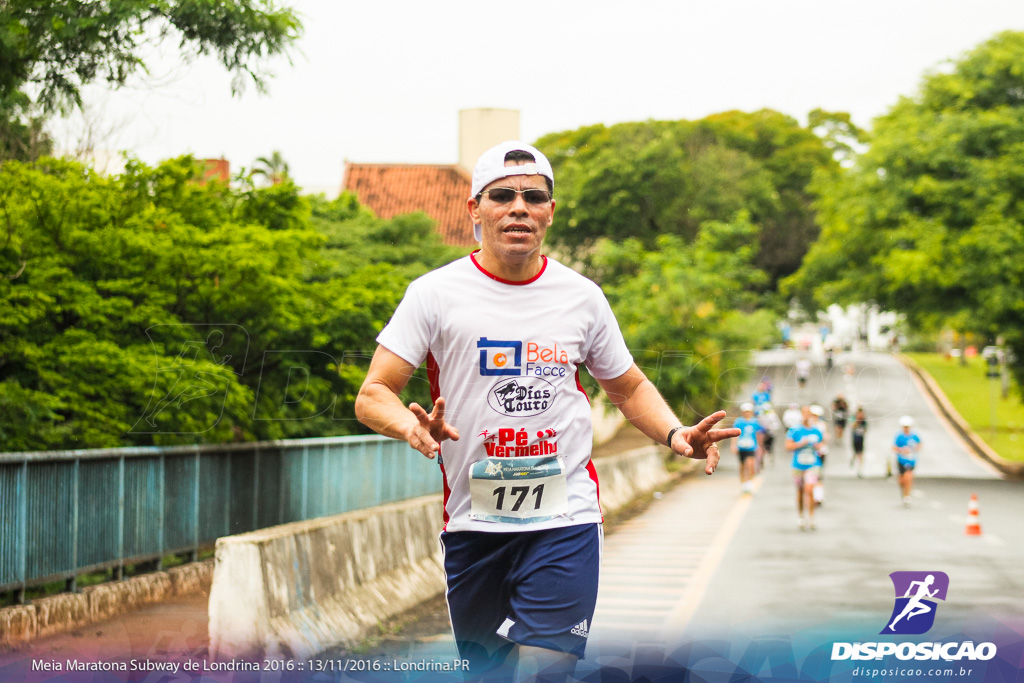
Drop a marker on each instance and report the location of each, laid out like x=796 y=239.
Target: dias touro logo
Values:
x=521 y=396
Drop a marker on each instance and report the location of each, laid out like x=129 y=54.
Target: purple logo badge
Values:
x=916 y=592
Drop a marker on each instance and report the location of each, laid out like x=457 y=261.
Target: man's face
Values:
x=517 y=228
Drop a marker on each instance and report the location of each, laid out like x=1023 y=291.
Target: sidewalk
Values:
x=170 y=631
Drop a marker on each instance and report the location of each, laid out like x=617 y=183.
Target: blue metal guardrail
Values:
x=64 y=513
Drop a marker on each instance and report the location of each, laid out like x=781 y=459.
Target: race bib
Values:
x=746 y=442
x=806 y=456
x=522 y=490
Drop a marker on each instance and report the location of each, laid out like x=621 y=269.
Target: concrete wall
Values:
x=297 y=589
x=292 y=590
x=21 y=624
x=625 y=477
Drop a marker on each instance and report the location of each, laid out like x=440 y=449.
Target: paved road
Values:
x=888 y=391
x=764 y=580
x=775 y=578
x=705 y=570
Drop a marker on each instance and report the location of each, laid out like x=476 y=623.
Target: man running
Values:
x=803 y=371
x=857 y=432
x=840 y=413
x=749 y=442
x=762 y=396
x=906 y=446
x=771 y=424
x=503 y=332
x=802 y=440
x=792 y=416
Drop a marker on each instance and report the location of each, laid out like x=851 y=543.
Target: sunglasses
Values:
x=505 y=195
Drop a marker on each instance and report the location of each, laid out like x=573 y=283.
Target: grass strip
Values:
x=977 y=398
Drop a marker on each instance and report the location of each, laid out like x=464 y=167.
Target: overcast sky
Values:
x=383 y=81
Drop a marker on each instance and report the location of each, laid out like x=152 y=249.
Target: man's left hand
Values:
x=700 y=441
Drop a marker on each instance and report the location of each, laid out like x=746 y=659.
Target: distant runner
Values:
x=801 y=441
x=857 y=432
x=748 y=443
x=906 y=447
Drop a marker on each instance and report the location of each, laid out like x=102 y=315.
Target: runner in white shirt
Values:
x=503 y=332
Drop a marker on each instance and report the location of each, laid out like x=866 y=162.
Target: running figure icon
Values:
x=915 y=605
x=917 y=594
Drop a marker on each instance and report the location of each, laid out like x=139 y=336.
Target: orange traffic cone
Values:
x=973 y=524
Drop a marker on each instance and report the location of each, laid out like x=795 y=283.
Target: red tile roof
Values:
x=437 y=190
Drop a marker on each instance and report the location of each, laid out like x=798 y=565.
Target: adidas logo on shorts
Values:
x=580 y=629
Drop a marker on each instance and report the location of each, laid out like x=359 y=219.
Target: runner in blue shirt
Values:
x=750 y=440
x=802 y=441
x=762 y=396
x=906 y=446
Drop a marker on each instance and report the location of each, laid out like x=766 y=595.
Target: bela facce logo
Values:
x=504 y=357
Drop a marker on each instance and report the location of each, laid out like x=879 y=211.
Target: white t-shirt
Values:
x=504 y=356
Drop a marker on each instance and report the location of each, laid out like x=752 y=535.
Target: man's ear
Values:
x=474 y=210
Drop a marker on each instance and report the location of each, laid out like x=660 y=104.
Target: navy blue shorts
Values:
x=536 y=588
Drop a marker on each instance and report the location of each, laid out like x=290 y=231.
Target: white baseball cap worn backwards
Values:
x=491 y=166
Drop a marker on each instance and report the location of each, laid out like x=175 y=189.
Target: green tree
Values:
x=840 y=133
x=644 y=180
x=360 y=275
x=686 y=311
x=49 y=50
x=22 y=135
x=61 y=45
x=930 y=219
x=159 y=307
x=90 y=268
x=273 y=169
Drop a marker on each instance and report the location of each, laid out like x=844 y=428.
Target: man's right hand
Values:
x=431 y=429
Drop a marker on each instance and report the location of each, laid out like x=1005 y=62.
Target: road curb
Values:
x=1009 y=468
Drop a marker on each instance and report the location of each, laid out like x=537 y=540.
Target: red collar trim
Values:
x=543 y=267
